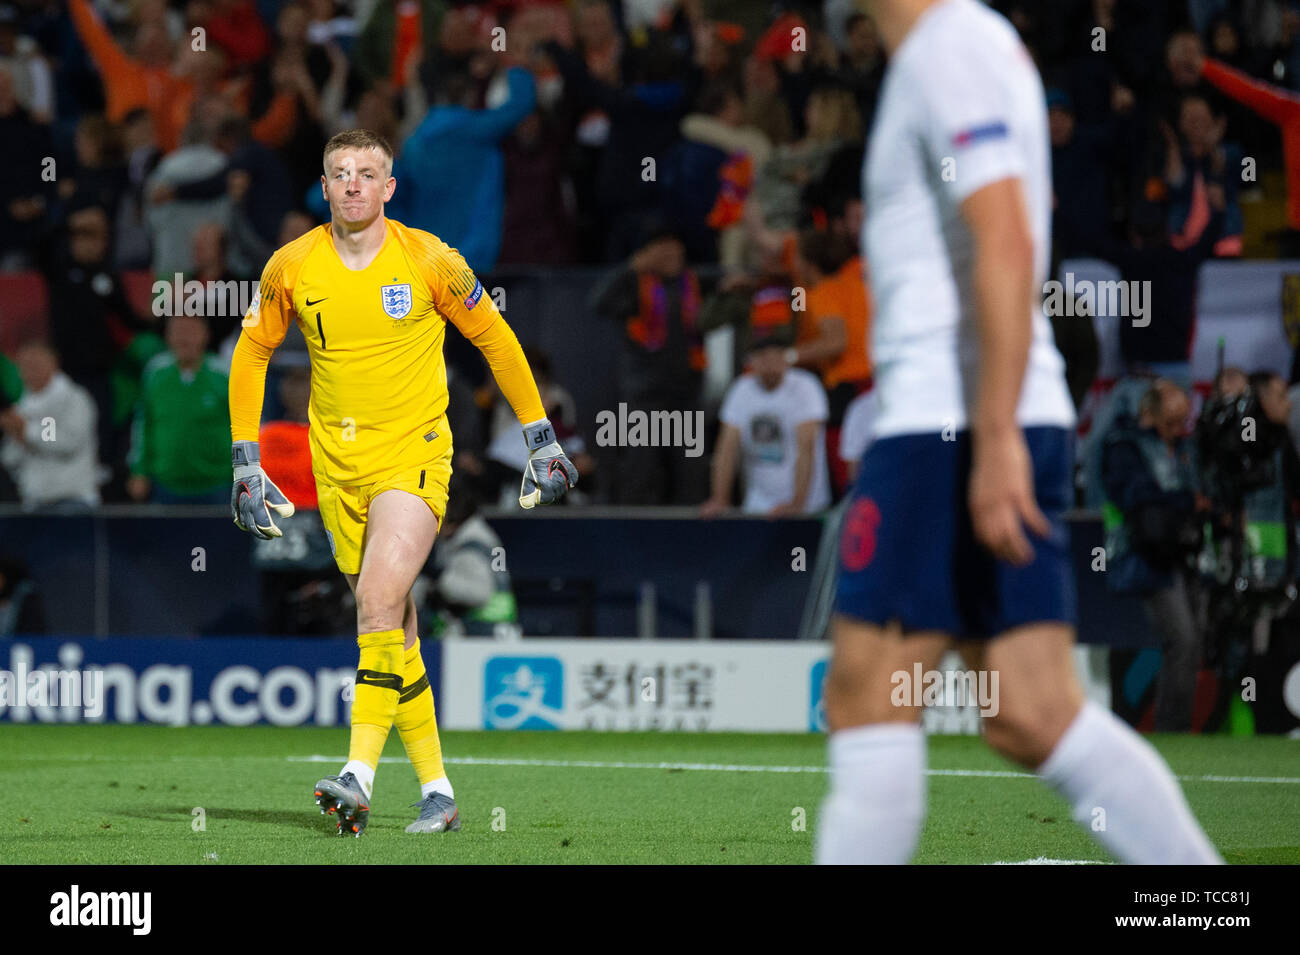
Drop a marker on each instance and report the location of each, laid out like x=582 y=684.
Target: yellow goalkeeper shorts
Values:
x=343 y=510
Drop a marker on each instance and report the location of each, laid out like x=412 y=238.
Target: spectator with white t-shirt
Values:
x=49 y=445
x=858 y=431
x=775 y=418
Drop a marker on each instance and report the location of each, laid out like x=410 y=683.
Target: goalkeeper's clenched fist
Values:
x=549 y=472
x=254 y=496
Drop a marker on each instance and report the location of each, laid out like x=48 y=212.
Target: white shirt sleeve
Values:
x=966 y=126
x=850 y=434
x=732 y=411
x=813 y=405
x=855 y=434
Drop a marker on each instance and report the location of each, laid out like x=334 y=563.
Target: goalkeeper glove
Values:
x=549 y=472
x=254 y=496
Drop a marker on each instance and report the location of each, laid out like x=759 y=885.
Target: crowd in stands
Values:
x=706 y=153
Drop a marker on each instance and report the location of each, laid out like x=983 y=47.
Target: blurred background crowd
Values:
x=703 y=157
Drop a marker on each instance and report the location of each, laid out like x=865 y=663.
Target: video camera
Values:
x=1236 y=446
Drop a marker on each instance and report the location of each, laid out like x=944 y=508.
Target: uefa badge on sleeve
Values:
x=254 y=314
x=472 y=299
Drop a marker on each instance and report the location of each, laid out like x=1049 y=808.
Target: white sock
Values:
x=365 y=774
x=1102 y=764
x=874 y=811
x=440 y=785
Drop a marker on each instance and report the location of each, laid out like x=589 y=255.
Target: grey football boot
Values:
x=438 y=813
x=343 y=795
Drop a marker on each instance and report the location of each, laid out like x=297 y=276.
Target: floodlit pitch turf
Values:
x=108 y=794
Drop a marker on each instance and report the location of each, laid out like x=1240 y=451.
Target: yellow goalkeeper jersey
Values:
x=375 y=335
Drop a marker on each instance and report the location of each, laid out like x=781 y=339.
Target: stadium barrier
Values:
x=185 y=572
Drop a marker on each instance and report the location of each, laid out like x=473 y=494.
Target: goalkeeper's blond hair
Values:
x=358 y=139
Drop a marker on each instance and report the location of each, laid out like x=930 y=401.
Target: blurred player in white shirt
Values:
x=858 y=430
x=956 y=530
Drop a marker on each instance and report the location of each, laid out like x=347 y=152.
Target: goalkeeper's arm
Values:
x=254 y=496
x=549 y=472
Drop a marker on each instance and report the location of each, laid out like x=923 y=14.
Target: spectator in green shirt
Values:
x=180 y=443
x=11 y=389
x=11 y=386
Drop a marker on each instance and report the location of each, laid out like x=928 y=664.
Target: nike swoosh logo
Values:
x=317 y=302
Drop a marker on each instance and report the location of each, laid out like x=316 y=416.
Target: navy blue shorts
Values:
x=908 y=552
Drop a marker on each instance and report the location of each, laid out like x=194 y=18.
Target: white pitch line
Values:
x=587 y=764
x=1043 y=860
x=580 y=764
x=729 y=768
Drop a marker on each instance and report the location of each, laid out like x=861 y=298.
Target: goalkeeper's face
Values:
x=357 y=184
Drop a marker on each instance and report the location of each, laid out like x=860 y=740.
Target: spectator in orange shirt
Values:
x=285 y=450
x=144 y=79
x=834 y=326
x=167 y=80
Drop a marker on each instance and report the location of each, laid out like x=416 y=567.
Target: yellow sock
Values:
x=375 y=695
x=416 y=722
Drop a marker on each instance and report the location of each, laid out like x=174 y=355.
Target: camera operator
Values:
x=1269 y=512
x=470 y=594
x=1153 y=515
x=1251 y=472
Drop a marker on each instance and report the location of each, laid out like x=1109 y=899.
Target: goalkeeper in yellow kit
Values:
x=371 y=297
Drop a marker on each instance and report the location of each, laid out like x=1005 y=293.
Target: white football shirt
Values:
x=858 y=429
x=961 y=107
x=767 y=421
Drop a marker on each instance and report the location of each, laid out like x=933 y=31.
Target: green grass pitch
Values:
x=127 y=794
